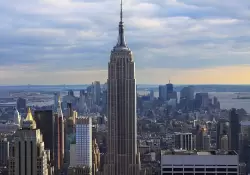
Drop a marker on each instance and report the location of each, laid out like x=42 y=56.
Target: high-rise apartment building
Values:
x=84 y=141
x=122 y=156
x=234 y=130
x=27 y=153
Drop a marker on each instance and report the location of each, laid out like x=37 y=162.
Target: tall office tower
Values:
x=221 y=130
x=27 y=153
x=84 y=141
x=183 y=141
x=122 y=156
x=59 y=138
x=45 y=122
x=21 y=104
x=162 y=93
x=4 y=152
x=170 y=87
x=187 y=93
x=201 y=100
x=17 y=118
x=170 y=91
x=97 y=92
x=234 y=130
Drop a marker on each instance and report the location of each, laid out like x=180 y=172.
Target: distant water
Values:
x=224 y=93
x=227 y=101
x=225 y=98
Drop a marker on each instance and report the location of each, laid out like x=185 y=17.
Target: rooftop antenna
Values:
x=121 y=12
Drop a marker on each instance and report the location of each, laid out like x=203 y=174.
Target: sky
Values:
x=69 y=41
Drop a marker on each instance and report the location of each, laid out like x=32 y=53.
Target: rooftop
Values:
x=199 y=153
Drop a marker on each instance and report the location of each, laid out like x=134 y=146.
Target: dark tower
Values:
x=170 y=87
x=234 y=130
x=45 y=122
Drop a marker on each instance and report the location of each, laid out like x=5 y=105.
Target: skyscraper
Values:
x=17 y=118
x=56 y=96
x=45 y=122
x=27 y=153
x=84 y=141
x=221 y=130
x=234 y=130
x=59 y=138
x=21 y=104
x=170 y=87
x=162 y=93
x=122 y=157
x=96 y=92
x=4 y=151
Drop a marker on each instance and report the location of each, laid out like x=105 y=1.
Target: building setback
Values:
x=122 y=156
x=27 y=153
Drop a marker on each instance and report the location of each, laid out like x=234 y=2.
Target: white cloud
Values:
x=41 y=32
x=170 y=34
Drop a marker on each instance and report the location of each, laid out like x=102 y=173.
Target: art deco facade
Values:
x=27 y=153
x=122 y=156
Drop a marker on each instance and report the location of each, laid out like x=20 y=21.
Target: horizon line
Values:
x=5 y=85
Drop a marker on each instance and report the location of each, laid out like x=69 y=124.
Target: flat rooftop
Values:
x=199 y=153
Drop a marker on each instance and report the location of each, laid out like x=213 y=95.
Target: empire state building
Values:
x=122 y=157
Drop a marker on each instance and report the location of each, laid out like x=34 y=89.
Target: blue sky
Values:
x=69 y=41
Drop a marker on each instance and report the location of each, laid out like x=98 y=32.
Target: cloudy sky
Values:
x=69 y=41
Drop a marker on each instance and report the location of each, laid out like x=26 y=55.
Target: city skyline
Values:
x=68 y=42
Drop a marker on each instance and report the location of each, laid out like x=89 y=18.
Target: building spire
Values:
x=29 y=116
x=121 y=12
x=121 y=38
